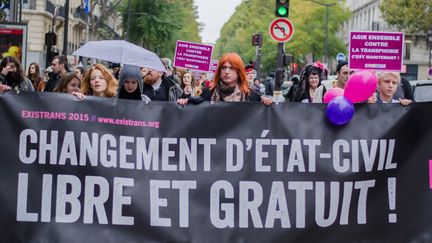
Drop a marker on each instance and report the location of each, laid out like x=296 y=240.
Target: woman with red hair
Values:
x=98 y=81
x=230 y=83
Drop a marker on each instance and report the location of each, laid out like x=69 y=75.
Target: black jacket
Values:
x=254 y=96
x=169 y=90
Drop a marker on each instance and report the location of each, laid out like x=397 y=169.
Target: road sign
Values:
x=340 y=57
x=281 y=30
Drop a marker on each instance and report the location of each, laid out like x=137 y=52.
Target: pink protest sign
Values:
x=213 y=66
x=194 y=56
x=381 y=51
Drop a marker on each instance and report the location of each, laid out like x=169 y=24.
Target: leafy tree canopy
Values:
x=254 y=16
x=157 y=25
x=410 y=15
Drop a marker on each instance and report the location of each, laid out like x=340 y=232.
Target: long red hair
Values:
x=237 y=63
x=112 y=83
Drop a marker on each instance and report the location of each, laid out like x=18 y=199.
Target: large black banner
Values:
x=108 y=170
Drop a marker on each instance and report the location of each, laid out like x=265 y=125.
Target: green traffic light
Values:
x=282 y=11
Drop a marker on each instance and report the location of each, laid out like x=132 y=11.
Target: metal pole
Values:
x=326 y=37
x=51 y=36
x=430 y=54
x=66 y=29
x=327 y=5
x=429 y=46
x=257 y=66
x=280 y=66
x=20 y=10
x=128 y=20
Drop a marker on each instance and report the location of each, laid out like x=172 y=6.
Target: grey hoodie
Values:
x=128 y=72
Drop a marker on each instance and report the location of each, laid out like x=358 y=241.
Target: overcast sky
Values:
x=213 y=14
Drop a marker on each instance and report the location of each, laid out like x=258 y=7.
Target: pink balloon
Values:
x=332 y=93
x=360 y=86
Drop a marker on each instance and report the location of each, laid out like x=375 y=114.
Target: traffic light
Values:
x=50 y=39
x=257 y=40
x=282 y=8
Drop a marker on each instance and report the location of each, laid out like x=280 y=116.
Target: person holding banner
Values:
x=131 y=84
x=310 y=80
x=388 y=83
x=157 y=86
x=230 y=83
x=69 y=83
x=12 y=76
x=99 y=81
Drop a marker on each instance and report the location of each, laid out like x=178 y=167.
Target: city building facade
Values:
x=39 y=16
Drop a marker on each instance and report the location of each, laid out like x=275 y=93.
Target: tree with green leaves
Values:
x=253 y=16
x=412 y=16
x=99 y=12
x=157 y=25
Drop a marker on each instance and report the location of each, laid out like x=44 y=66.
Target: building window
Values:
x=375 y=25
x=407 y=54
x=29 y=4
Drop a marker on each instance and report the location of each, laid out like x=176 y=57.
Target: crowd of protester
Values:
x=233 y=82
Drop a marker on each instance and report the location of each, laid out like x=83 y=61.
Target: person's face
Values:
x=343 y=74
x=250 y=75
x=203 y=77
x=187 y=78
x=144 y=71
x=32 y=69
x=152 y=76
x=56 y=66
x=388 y=85
x=130 y=85
x=73 y=86
x=78 y=73
x=229 y=74
x=10 y=67
x=188 y=88
x=313 y=81
x=98 y=83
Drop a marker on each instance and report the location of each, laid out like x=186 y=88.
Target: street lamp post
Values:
x=429 y=41
x=129 y=14
x=327 y=5
x=128 y=20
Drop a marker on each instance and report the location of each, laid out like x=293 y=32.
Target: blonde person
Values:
x=388 y=83
x=99 y=81
x=69 y=83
